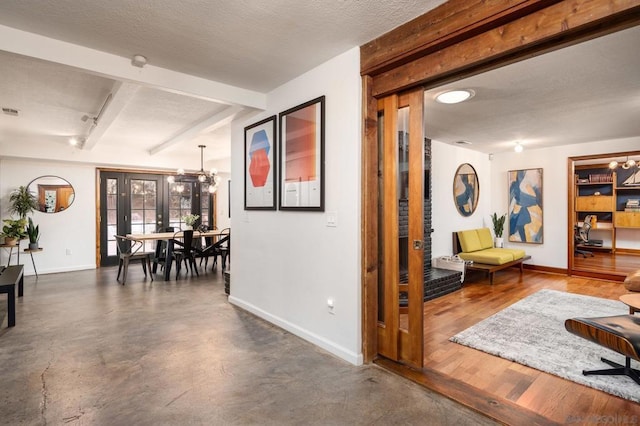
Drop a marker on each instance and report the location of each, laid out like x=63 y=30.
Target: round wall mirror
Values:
x=53 y=193
x=466 y=189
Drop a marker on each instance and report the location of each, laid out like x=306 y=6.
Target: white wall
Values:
x=287 y=264
x=73 y=229
x=446 y=218
x=553 y=161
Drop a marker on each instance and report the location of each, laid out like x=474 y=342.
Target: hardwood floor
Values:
x=502 y=389
x=603 y=262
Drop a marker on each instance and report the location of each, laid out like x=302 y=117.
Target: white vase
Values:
x=499 y=242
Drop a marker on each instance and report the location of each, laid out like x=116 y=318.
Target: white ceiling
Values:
x=61 y=60
x=210 y=61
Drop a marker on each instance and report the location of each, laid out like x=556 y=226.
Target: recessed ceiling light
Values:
x=455 y=96
x=463 y=143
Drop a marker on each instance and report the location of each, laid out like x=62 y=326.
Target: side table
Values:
x=31 y=251
x=11 y=247
x=632 y=300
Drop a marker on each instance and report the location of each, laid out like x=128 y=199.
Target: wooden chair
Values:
x=225 y=247
x=619 y=333
x=130 y=250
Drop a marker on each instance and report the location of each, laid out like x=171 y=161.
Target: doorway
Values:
x=143 y=203
x=604 y=215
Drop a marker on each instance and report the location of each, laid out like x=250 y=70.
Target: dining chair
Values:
x=185 y=250
x=131 y=250
x=225 y=247
x=213 y=248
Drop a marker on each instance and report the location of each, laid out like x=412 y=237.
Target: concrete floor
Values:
x=89 y=351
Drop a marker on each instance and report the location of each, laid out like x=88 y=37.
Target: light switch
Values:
x=332 y=219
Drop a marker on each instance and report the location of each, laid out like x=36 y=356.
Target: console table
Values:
x=10 y=277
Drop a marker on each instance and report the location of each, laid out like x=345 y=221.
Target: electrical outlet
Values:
x=69 y=252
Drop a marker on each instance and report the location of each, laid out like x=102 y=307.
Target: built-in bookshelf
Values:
x=611 y=198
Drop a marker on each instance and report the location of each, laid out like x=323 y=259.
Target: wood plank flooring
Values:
x=603 y=262
x=505 y=386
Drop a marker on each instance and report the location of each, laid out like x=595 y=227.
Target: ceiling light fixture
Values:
x=518 y=148
x=626 y=165
x=76 y=141
x=211 y=179
x=139 y=61
x=455 y=96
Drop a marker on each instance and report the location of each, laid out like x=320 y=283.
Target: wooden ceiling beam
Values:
x=562 y=23
x=450 y=23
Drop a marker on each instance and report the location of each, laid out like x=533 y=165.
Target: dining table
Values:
x=169 y=237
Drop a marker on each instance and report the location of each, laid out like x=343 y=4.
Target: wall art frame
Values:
x=260 y=165
x=525 y=210
x=302 y=168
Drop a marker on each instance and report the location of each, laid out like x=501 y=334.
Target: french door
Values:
x=401 y=190
x=139 y=203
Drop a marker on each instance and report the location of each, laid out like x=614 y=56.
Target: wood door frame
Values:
x=455 y=40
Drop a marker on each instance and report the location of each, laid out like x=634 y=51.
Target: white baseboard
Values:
x=327 y=345
x=28 y=270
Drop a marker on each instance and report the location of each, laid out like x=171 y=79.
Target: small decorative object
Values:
x=190 y=220
x=13 y=231
x=34 y=235
x=260 y=165
x=302 y=157
x=498 y=228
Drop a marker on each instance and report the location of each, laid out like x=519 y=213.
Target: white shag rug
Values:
x=531 y=332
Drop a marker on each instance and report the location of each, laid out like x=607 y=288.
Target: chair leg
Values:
x=618 y=370
x=126 y=269
x=119 y=269
x=144 y=266
x=149 y=267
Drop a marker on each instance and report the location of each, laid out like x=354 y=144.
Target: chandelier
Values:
x=211 y=179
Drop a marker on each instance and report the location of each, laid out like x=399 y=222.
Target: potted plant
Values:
x=34 y=235
x=22 y=202
x=498 y=227
x=13 y=231
x=190 y=220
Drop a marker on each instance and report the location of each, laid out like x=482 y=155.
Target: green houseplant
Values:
x=13 y=230
x=190 y=220
x=498 y=228
x=34 y=235
x=22 y=202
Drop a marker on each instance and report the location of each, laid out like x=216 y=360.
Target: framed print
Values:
x=302 y=157
x=260 y=165
x=525 y=206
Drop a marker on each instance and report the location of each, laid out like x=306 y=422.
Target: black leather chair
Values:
x=581 y=235
x=131 y=250
x=619 y=333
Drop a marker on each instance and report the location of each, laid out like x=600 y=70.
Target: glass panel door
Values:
x=401 y=222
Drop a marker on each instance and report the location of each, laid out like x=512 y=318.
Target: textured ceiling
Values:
x=584 y=93
x=255 y=44
x=246 y=44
